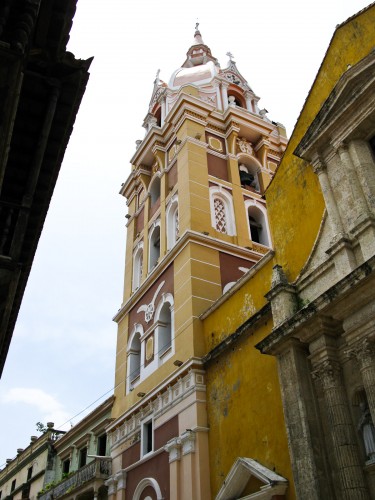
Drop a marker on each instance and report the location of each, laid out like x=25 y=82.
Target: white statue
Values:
x=366 y=426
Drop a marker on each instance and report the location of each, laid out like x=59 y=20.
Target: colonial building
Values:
x=197 y=224
x=41 y=90
x=33 y=468
x=71 y=465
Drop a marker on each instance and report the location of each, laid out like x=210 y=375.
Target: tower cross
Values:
x=230 y=55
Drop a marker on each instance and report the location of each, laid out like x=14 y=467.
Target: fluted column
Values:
x=361 y=208
x=363 y=161
x=320 y=169
x=249 y=102
x=345 y=447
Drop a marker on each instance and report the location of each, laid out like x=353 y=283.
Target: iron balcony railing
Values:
x=99 y=468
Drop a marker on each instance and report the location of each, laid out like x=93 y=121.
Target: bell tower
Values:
x=196 y=223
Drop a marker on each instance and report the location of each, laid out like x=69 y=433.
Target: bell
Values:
x=246 y=178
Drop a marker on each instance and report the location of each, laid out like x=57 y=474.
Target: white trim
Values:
x=142 y=485
x=153 y=227
x=166 y=298
x=137 y=268
x=137 y=329
x=218 y=192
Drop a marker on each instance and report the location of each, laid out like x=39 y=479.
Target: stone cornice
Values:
x=301 y=319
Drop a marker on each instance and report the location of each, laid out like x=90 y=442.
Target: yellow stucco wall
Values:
x=244 y=403
x=294 y=200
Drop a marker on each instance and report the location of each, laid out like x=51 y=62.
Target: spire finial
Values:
x=157 y=81
x=197 y=26
x=230 y=55
x=197 y=35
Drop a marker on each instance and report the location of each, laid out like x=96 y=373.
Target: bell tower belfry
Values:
x=197 y=223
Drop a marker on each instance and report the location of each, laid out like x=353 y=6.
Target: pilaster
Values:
x=283 y=297
x=345 y=448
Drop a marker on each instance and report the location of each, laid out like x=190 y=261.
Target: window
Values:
x=147 y=433
x=222 y=214
x=82 y=457
x=29 y=473
x=134 y=357
x=164 y=327
x=137 y=267
x=154 y=246
x=258 y=225
x=66 y=466
x=155 y=191
x=13 y=486
x=102 y=445
x=173 y=225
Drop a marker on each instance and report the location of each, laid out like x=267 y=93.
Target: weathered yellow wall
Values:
x=244 y=412
x=244 y=402
x=294 y=200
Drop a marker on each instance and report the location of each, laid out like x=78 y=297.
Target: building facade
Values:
x=197 y=224
x=42 y=85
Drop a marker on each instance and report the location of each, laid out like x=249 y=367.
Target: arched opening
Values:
x=235 y=97
x=137 y=268
x=154 y=247
x=164 y=329
x=249 y=177
x=155 y=191
x=222 y=213
x=172 y=223
x=258 y=226
x=134 y=360
x=157 y=115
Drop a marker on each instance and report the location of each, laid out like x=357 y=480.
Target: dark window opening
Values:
x=82 y=457
x=102 y=445
x=158 y=117
x=66 y=466
x=147 y=437
x=13 y=487
x=29 y=473
x=255 y=229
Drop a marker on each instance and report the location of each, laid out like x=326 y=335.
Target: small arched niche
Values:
x=258 y=225
x=154 y=247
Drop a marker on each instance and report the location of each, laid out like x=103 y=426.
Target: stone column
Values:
x=359 y=201
x=320 y=169
x=163 y=110
x=111 y=485
x=305 y=439
x=224 y=94
x=249 y=102
x=345 y=448
x=363 y=161
x=173 y=447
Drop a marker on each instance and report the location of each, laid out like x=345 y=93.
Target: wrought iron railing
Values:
x=99 y=468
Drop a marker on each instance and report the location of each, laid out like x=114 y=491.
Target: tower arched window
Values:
x=137 y=267
x=222 y=213
x=173 y=225
x=164 y=326
x=154 y=246
x=155 y=190
x=134 y=358
x=258 y=224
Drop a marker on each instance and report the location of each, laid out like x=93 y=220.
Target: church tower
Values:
x=197 y=222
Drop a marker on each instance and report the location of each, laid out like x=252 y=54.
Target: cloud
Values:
x=51 y=410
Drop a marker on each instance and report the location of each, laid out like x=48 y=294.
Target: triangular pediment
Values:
x=248 y=479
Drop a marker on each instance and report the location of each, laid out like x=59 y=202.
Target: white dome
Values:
x=197 y=75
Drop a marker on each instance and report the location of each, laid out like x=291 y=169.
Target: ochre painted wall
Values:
x=294 y=200
x=244 y=403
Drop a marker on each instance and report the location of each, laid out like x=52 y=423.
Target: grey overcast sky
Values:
x=62 y=355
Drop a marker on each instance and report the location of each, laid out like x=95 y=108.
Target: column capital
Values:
x=363 y=351
x=319 y=165
x=188 y=442
x=173 y=447
x=120 y=478
x=111 y=485
x=328 y=372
